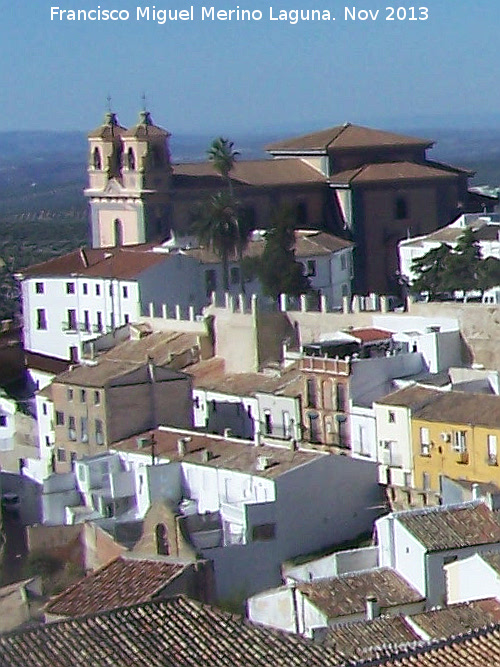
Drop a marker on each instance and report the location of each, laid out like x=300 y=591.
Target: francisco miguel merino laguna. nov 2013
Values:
x=291 y=16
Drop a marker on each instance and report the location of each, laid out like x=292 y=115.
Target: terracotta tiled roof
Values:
x=123 y=581
x=125 y=263
x=345 y=136
x=458 y=618
x=452 y=527
x=358 y=639
x=210 y=375
x=308 y=243
x=346 y=595
x=390 y=171
x=170 y=633
x=108 y=372
x=478 y=648
x=223 y=453
x=253 y=172
x=456 y=407
x=412 y=397
x=45 y=363
x=370 y=334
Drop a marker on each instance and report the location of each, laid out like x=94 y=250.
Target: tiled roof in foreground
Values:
x=123 y=581
x=458 y=618
x=172 y=633
x=362 y=638
x=478 y=648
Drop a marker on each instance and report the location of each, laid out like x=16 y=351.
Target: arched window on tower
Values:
x=118 y=231
x=131 y=159
x=96 y=159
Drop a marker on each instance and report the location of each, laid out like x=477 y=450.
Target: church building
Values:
x=372 y=187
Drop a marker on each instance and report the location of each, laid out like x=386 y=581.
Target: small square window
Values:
x=125 y=291
x=39 y=288
x=47 y=441
x=391 y=418
x=83 y=395
x=98 y=290
x=126 y=318
x=70 y=288
x=311 y=267
x=61 y=455
x=85 y=288
x=44 y=408
x=70 y=394
x=59 y=418
x=3 y=420
x=97 y=398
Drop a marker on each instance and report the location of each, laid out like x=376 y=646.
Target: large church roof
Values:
x=345 y=136
x=252 y=172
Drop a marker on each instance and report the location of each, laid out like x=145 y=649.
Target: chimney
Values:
x=372 y=608
x=182 y=446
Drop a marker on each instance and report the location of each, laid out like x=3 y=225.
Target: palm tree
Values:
x=216 y=226
x=223 y=158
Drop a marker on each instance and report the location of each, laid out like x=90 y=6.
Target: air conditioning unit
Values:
x=463 y=457
x=492 y=460
x=446 y=436
x=425 y=450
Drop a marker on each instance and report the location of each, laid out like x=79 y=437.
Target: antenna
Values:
x=144 y=101
x=108 y=99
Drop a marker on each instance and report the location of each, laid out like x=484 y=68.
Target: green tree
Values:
x=216 y=226
x=223 y=157
x=465 y=263
x=432 y=271
x=489 y=273
x=277 y=269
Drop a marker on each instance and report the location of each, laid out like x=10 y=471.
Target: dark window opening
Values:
x=97 y=159
x=161 y=539
x=131 y=159
x=401 y=208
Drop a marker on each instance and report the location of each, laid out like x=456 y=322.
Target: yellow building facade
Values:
x=457 y=435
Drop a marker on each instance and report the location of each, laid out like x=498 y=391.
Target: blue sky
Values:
x=238 y=76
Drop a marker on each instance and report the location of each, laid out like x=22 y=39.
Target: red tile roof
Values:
x=125 y=263
x=170 y=633
x=458 y=618
x=452 y=527
x=223 y=453
x=345 y=136
x=346 y=595
x=370 y=334
x=390 y=171
x=123 y=581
